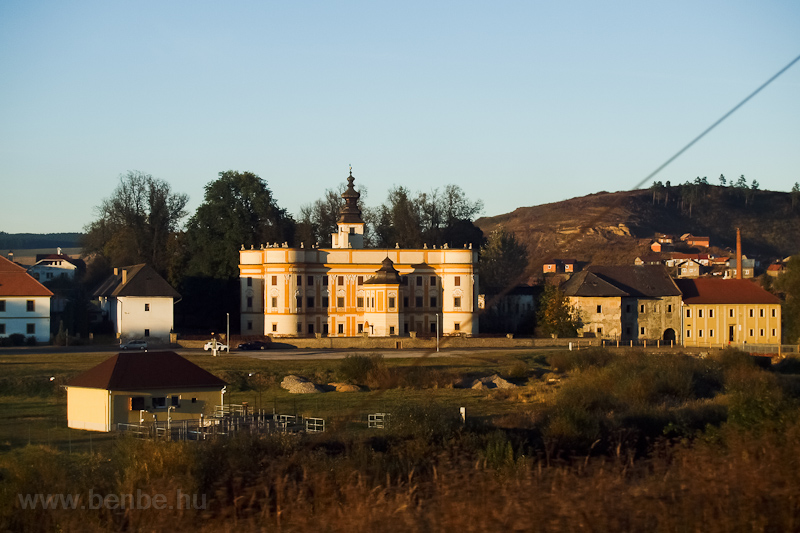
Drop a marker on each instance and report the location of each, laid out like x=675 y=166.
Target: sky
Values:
x=519 y=103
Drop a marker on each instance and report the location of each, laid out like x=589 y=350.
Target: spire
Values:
x=350 y=213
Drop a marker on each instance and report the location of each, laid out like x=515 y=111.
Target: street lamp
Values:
x=437 y=332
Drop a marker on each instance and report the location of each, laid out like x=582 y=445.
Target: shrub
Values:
x=518 y=371
x=580 y=359
x=30 y=341
x=355 y=368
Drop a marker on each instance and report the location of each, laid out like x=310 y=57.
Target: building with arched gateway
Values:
x=349 y=290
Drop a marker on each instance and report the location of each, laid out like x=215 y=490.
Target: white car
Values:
x=134 y=345
x=220 y=346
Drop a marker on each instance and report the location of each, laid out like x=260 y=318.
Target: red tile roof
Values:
x=143 y=371
x=724 y=291
x=14 y=281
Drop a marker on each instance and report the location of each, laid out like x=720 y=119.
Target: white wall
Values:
x=17 y=317
x=133 y=320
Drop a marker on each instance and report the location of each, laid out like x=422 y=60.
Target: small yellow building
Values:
x=719 y=312
x=134 y=388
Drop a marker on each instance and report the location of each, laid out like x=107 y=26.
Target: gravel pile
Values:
x=344 y=387
x=491 y=382
x=298 y=385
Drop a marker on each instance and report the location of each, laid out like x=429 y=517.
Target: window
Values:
x=641 y=308
x=325 y=328
x=274 y=301
x=249 y=282
x=761 y=313
x=31 y=306
x=405 y=301
x=418 y=301
x=457 y=326
x=324 y=281
x=391 y=302
x=310 y=281
x=404 y=280
x=340 y=280
x=457 y=281
x=340 y=301
x=688 y=313
x=761 y=333
x=710 y=313
x=137 y=403
x=752 y=314
x=146 y=332
x=299 y=280
x=2 y=329
x=711 y=333
x=628 y=331
x=433 y=301
x=700 y=333
x=2 y=306
x=299 y=327
x=176 y=401
x=310 y=328
x=627 y=308
x=774 y=314
x=250 y=325
x=641 y=330
x=669 y=308
x=699 y=313
x=194 y=400
x=419 y=281
x=405 y=327
x=751 y=332
x=360 y=301
x=341 y=329
x=310 y=302
x=773 y=332
x=360 y=280
x=325 y=302
x=299 y=302
x=433 y=281
x=599 y=308
x=361 y=328
x=146 y=307
x=433 y=327
x=391 y=330
x=274 y=280
x=688 y=333
x=31 y=329
x=159 y=402
x=599 y=331
x=249 y=302
x=274 y=327
x=457 y=301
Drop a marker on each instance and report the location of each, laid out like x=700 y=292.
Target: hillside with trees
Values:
x=613 y=228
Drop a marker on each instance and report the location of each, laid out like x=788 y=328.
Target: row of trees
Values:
x=687 y=194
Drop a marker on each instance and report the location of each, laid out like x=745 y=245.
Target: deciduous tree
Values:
x=503 y=262
x=556 y=316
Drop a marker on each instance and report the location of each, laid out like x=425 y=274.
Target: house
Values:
x=695 y=241
x=327 y=291
x=138 y=302
x=134 y=388
x=52 y=266
x=24 y=303
x=550 y=266
x=553 y=266
x=649 y=259
x=689 y=268
x=748 y=268
x=512 y=311
x=627 y=303
x=776 y=269
x=718 y=312
x=660 y=247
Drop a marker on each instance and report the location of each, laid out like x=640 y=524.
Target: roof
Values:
x=724 y=291
x=146 y=370
x=140 y=280
x=385 y=275
x=640 y=281
x=77 y=263
x=350 y=213
x=15 y=281
x=776 y=266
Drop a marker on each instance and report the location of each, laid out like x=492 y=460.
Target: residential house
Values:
x=717 y=312
x=24 y=303
x=776 y=269
x=327 y=291
x=554 y=266
x=138 y=302
x=627 y=303
x=650 y=259
x=51 y=266
x=689 y=268
x=748 y=268
x=139 y=388
x=695 y=241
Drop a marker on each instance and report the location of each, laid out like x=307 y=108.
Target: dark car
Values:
x=254 y=345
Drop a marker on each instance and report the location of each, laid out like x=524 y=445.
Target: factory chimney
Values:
x=738 y=254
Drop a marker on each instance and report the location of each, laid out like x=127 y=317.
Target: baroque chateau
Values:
x=349 y=290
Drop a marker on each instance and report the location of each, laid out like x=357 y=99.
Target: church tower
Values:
x=350 y=223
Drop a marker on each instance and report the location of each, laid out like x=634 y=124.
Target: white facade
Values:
x=140 y=317
x=26 y=315
x=51 y=268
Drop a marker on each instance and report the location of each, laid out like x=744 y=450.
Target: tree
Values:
x=657 y=188
x=503 y=261
x=789 y=284
x=795 y=194
x=722 y=180
x=238 y=210
x=137 y=223
x=556 y=316
x=318 y=220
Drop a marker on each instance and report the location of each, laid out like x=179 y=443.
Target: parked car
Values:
x=254 y=345
x=134 y=345
x=220 y=346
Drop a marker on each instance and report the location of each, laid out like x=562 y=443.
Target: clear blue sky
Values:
x=521 y=103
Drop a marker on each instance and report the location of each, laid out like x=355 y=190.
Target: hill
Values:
x=24 y=241
x=614 y=228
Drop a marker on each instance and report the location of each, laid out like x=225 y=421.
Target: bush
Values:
x=580 y=359
x=518 y=371
x=30 y=341
x=15 y=339
x=355 y=368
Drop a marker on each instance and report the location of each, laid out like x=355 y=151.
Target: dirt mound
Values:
x=344 y=387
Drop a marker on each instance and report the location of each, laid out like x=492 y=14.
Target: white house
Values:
x=52 y=266
x=24 y=303
x=138 y=302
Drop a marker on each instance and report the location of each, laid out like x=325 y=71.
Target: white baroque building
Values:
x=348 y=290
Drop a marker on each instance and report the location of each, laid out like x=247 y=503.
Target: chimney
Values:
x=116 y=271
x=738 y=254
x=124 y=276
x=11 y=256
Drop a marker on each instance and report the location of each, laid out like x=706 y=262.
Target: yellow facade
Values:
x=718 y=325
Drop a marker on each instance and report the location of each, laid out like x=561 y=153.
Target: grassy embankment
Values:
x=623 y=442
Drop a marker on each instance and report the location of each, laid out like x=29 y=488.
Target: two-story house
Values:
x=24 y=303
